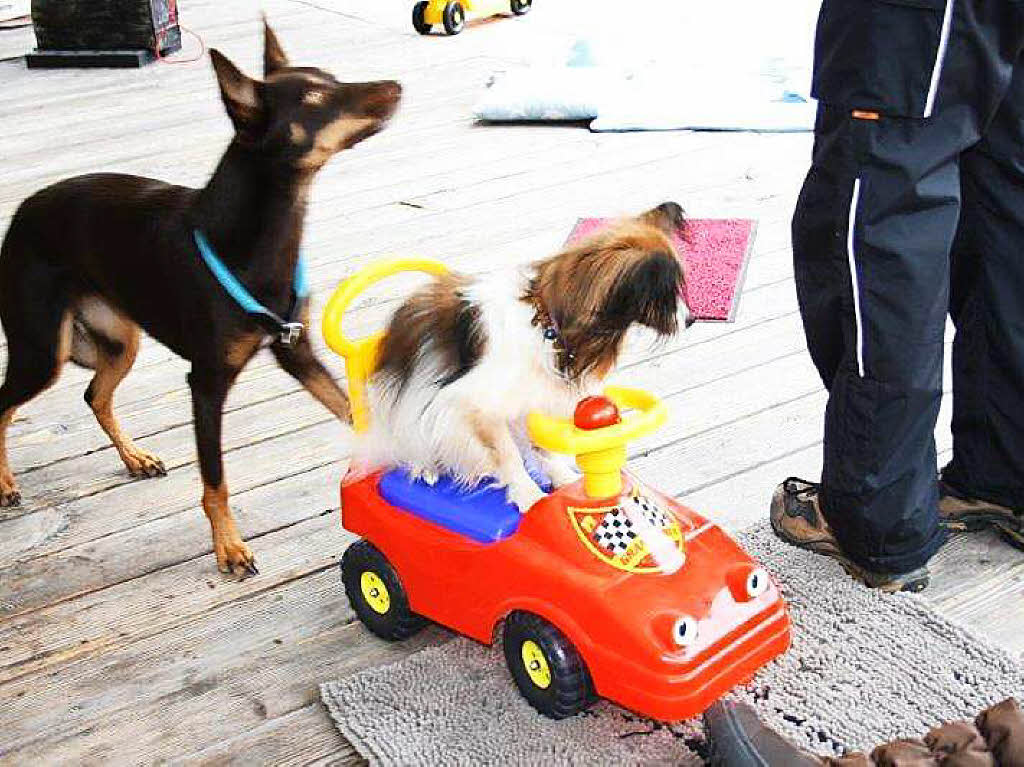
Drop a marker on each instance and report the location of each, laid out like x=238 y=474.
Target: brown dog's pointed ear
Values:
x=668 y=217
x=241 y=94
x=274 y=57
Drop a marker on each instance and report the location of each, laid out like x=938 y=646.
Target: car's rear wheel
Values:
x=419 y=18
x=521 y=7
x=376 y=593
x=547 y=668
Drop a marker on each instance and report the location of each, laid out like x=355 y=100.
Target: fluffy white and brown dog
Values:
x=464 y=359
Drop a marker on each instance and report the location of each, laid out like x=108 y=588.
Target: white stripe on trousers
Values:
x=854 y=280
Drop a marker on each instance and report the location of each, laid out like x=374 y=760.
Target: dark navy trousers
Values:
x=914 y=209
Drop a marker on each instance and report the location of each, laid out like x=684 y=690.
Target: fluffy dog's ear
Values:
x=242 y=95
x=647 y=292
x=668 y=217
x=274 y=57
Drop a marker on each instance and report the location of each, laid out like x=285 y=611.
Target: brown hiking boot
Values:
x=797 y=519
x=961 y=513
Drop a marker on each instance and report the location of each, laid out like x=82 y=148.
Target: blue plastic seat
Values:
x=482 y=513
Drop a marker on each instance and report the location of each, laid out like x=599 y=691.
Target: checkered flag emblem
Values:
x=615 y=534
x=652 y=513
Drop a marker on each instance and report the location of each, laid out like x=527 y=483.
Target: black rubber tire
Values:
x=419 y=13
x=570 y=690
x=454 y=17
x=521 y=7
x=399 y=622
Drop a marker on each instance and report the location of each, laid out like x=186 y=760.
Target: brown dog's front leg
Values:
x=299 y=361
x=208 y=394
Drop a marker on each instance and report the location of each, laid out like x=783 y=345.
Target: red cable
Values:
x=159 y=44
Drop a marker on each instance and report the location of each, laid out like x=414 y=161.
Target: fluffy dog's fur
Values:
x=89 y=261
x=463 y=360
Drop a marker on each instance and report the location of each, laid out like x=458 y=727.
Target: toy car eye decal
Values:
x=684 y=631
x=757 y=582
x=747 y=581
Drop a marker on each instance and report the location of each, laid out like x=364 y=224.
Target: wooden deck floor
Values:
x=119 y=641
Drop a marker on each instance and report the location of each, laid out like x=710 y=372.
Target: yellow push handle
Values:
x=601 y=453
x=361 y=354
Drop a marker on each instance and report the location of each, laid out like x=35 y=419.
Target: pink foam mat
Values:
x=716 y=251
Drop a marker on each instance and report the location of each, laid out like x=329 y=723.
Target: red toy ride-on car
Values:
x=605 y=587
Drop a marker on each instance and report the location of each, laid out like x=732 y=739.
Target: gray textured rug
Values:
x=864 y=668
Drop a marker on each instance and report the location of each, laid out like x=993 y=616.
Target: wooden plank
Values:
x=170 y=582
x=303 y=737
x=246 y=663
x=168 y=528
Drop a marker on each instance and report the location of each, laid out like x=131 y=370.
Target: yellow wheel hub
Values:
x=536 y=664
x=375 y=592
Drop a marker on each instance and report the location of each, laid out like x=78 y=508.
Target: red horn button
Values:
x=595 y=413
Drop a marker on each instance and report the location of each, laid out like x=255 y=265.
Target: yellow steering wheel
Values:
x=601 y=452
x=361 y=354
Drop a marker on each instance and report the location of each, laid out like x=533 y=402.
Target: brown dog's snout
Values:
x=383 y=98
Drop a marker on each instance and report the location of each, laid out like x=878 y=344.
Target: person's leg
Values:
x=819 y=266
x=985 y=479
x=871 y=239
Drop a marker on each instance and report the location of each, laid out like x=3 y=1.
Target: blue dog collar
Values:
x=287 y=332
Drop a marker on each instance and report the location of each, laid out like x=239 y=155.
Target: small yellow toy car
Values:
x=452 y=14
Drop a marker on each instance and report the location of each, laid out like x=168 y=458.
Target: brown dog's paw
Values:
x=9 y=495
x=235 y=557
x=143 y=464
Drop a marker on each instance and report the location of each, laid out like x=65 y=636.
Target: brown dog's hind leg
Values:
x=9 y=495
x=301 y=363
x=30 y=370
x=108 y=342
x=209 y=390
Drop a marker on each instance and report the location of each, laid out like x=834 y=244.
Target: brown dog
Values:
x=89 y=261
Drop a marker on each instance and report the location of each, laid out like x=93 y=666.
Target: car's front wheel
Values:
x=521 y=7
x=376 y=593
x=547 y=668
x=454 y=17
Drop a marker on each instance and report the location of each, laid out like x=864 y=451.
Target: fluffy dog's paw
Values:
x=430 y=476
x=143 y=464
x=561 y=474
x=524 y=495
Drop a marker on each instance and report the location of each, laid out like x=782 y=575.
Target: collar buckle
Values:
x=290 y=333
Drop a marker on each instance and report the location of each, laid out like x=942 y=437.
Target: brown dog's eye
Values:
x=314 y=98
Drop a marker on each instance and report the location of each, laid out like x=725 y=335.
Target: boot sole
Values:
x=1011 y=530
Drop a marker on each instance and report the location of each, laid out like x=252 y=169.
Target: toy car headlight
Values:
x=747 y=582
x=684 y=631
